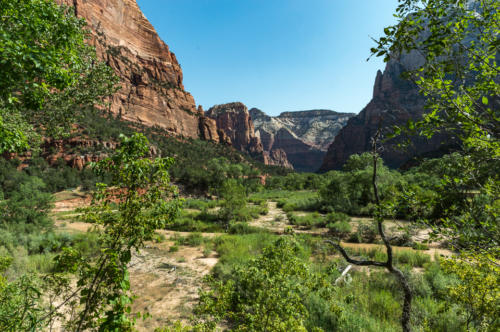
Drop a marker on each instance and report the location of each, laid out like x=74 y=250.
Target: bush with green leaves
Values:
x=269 y=293
x=365 y=233
x=351 y=190
x=308 y=220
x=139 y=200
x=299 y=201
x=340 y=228
x=50 y=73
x=295 y=181
x=244 y=228
x=234 y=200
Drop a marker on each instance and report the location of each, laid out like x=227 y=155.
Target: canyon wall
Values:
x=151 y=91
x=394 y=102
x=304 y=135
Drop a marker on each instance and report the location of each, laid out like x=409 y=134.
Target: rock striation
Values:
x=304 y=135
x=234 y=120
x=151 y=91
x=235 y=125
x=394 y=102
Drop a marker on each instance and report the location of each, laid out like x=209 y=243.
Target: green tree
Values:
x=478 y=291
x=267 y=294
x=459 y=75
x=382 y=210
x=21 y=306
x=234 y=202
x=458 y=42
x=26 y=210
x=48 y=71
x=141 y=193
x=126 y=213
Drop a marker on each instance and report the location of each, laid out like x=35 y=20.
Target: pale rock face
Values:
x=304 y=136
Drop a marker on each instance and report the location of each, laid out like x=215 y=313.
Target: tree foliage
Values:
x=267 y=294
x=48 y=71
x=459 y=75
x=141 y=192
x=478 y=291
x=125 y=214
x=458 y=43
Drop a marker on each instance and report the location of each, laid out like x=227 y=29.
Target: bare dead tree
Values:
x=388 y=264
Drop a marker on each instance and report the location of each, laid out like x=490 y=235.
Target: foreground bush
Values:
x=269 y=293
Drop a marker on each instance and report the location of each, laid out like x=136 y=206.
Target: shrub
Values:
x=244 y=228
x=340 y=228
x=334 y=217
x=402 y=240
x=267 y=293
x=235 y=250
x=420 y=246
x=364 y=234
x=192 y=240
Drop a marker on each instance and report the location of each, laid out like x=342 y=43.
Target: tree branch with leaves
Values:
x=388 y=264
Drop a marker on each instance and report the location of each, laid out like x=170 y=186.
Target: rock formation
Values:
x=395 y=101
x=277 y=157
x=234 y=122
x=150 y=76
x=304 y=136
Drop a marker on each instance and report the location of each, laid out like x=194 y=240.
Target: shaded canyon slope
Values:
x=394 y=102
x=151 y=90
x=304 y=135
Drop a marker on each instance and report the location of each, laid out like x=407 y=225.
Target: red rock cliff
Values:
x=234 y=122
x=151 y=78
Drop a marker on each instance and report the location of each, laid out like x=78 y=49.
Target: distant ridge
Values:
x=303 y=135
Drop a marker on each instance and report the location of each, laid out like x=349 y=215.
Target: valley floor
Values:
x=167 y=275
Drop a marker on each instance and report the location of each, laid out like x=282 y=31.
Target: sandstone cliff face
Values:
x=235 y=125
x=394 y=102
x=304 y=136
x=277 y=157
x=150 y=76
x=234 y=120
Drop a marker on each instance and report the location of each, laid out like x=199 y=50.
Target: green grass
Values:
x=200 y=204
x=192 y=240
x=309 y=220
x=239 y=249
x=299 y=201
x=203 y=221
x=401 y=257
x=244 y=228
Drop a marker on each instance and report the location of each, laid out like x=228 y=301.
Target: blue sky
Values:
x=277 y=55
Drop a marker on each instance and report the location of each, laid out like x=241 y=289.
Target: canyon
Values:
x=151 y=90
x=152 y=93
x=234 y=122
x=304 y=136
